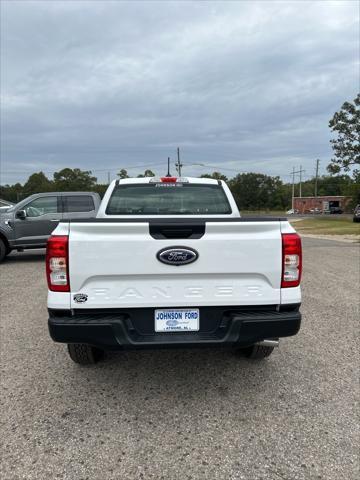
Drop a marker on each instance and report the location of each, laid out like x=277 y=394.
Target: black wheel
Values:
x=84 y=354
x=256 y=352
x=3 y=250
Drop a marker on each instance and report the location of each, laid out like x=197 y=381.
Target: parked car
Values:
x=315 y=210
x=356 y=217
x=5 y=208
x=335 y=210
x=292 y=211
x=5 y=205
x=29 y=223
x=169 y=262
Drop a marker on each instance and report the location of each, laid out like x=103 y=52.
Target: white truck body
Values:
x=113 y=260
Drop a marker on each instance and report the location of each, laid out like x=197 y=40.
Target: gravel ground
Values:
x=338 y=238
x=198 y=414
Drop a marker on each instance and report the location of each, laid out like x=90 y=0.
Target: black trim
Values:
x=26 y=246
x=166 y=230
x=178 y=221
x=116 y=329
x=287 y=307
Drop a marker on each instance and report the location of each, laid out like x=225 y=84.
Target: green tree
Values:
x=12 y=193
x=123 y=173
x=353 y=190
x=346 y=147
x=334 y=184
x=327 y=185
x=215 y=175
x=256 y=191
x=100 y=188
x=37 y=183
x=282 y=197
x=69 y=179
x=147 y=173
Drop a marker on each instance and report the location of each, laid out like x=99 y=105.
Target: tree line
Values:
x=252 y=191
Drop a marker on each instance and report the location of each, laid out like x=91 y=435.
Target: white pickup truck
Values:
x=169 y=262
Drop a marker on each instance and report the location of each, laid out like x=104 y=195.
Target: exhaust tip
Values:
x=269 y=343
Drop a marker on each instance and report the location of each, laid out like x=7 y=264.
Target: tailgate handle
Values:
x=163 y=231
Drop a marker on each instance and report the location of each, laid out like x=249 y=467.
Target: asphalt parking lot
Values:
x=194 y=414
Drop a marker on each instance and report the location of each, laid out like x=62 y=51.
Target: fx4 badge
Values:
x=80 y=297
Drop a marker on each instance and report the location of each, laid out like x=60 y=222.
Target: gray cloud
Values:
x=242 y=86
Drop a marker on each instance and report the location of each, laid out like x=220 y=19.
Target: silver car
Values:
x=29 y=223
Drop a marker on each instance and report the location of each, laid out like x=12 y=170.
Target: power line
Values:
x=293 y=188
x=300 y=172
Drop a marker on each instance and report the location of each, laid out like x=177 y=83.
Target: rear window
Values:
x=168 y=199
x=78 y=203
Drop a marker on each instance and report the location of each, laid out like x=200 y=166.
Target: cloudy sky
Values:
x=238 y=86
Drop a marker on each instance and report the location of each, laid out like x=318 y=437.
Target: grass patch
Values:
x=327 y=226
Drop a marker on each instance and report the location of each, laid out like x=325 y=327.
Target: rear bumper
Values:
x=114 y=330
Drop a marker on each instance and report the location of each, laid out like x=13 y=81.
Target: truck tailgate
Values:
x=115 y=264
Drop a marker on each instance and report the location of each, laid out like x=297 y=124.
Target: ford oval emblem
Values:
x=177 y=255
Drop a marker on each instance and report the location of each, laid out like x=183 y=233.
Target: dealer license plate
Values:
x=177 y=320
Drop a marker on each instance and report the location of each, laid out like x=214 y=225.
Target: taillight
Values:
x=291 y=260
x=57 y=263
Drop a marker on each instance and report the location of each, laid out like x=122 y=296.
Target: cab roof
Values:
x=124 y=181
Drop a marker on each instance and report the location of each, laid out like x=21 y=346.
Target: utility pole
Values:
x=108 y=178
x=293 y=173
x=316 y=176
x=300 y=185
x=178 y=164
x=293 y=189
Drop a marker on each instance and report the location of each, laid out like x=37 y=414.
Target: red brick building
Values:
x=325 y=203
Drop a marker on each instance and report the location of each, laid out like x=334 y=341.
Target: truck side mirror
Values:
x=21 y=214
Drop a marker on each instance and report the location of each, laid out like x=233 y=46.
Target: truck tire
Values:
x=3 y=250
x=84 y=354
x=257 y=352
